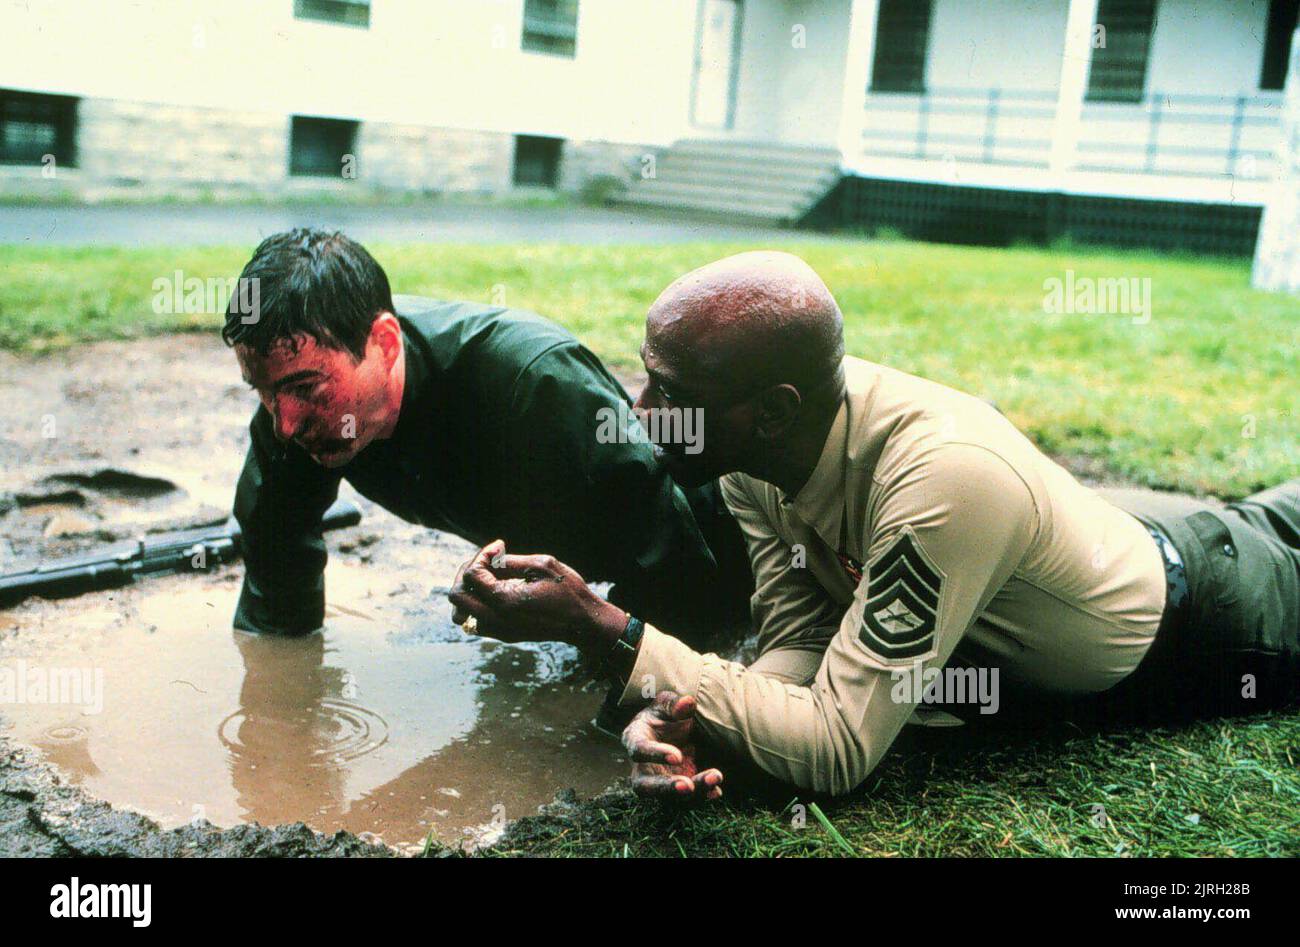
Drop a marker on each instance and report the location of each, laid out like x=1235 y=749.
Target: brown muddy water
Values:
x=391 y=722
x=382 y=724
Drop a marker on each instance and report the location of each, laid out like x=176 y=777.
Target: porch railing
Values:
x=1185 y=135
x=985 y=126
x=1165 y=134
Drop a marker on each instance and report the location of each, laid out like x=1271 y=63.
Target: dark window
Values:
x=1119 y=69
x=347 y=12
x=33 y=126
x=902 y=35
x=537 y=160
x=551 y=26
x=1277 y=43
x=317 y=145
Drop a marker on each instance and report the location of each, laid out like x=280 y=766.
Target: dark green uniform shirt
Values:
x=496 y=438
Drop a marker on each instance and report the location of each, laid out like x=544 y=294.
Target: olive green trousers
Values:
x=1233 y=644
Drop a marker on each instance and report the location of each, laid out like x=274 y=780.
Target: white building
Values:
x=968 y=119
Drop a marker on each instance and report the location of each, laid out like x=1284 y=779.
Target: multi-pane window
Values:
x=318 y=146
x=537 y=160
x=1119 y=68
x=33 y=125
x=902 y=37
x=551 y=26
x=347 y=12
x=1282 y=16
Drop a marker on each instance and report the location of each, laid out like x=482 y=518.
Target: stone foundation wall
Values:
x=585 y=162
x=435 y=160
x=128 y=148
x=135 y=149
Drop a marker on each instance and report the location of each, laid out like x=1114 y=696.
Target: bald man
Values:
x=894 y=524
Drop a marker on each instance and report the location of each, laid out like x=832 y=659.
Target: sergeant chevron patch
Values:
x=902 y=607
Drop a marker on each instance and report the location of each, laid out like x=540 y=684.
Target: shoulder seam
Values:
x=1038 y=513
x=528 y=366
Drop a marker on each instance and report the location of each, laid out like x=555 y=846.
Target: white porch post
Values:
x=857 y=72
x=1075 y=59
x=1277 y=250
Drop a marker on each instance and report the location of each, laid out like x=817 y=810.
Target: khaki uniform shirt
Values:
x=968 y=534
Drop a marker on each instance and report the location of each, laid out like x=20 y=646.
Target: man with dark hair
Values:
x=476 y=420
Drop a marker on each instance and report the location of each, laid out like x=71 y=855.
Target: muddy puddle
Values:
x=391 y=722
x=385 y=723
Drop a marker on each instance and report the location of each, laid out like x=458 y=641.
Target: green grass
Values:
x=1170 y=404
x=1211 y=789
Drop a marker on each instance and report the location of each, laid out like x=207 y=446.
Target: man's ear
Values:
x=778 y=408
x=386 y=334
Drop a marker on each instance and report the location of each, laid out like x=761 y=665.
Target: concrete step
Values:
x=761 y=180
x=755 y=192
x=776 y=212
x=708 y=169
x=746 y=181
x=792 y=154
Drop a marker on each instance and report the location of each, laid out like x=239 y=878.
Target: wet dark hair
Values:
x=310 y=282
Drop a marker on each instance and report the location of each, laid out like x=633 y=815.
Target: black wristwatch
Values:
x=627 y=643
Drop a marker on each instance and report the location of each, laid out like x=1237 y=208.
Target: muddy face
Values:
x=323 y=399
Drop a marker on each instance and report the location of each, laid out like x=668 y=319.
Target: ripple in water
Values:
x=65 y=734
x=345 y=731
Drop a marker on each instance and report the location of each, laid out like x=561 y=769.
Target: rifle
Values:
x=188 y=550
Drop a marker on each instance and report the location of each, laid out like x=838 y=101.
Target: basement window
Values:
x=317 y=146
x=344 y=12
x=537 y=160
x=1119 y=69
x=551 y=26
x=902 y=37
x=33 y=125
x=1282 y=16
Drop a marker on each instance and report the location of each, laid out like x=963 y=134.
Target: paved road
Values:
x=448 y=222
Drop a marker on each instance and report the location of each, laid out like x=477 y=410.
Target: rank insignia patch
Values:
x=902 y=607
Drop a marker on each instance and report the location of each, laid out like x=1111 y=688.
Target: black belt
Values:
x=1152 y=680
x=1175 y=571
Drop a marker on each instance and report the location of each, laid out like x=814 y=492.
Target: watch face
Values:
x=624 y=647
x=633 y=632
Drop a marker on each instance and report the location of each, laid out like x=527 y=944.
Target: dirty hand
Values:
x=532 y=598
x=661 y=742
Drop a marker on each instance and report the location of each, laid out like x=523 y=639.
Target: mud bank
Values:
x=41 y=816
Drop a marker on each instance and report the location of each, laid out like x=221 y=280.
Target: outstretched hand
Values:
x=661 y=743
x=531 y=598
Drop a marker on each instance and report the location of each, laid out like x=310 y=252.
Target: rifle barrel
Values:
x=198 y=550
